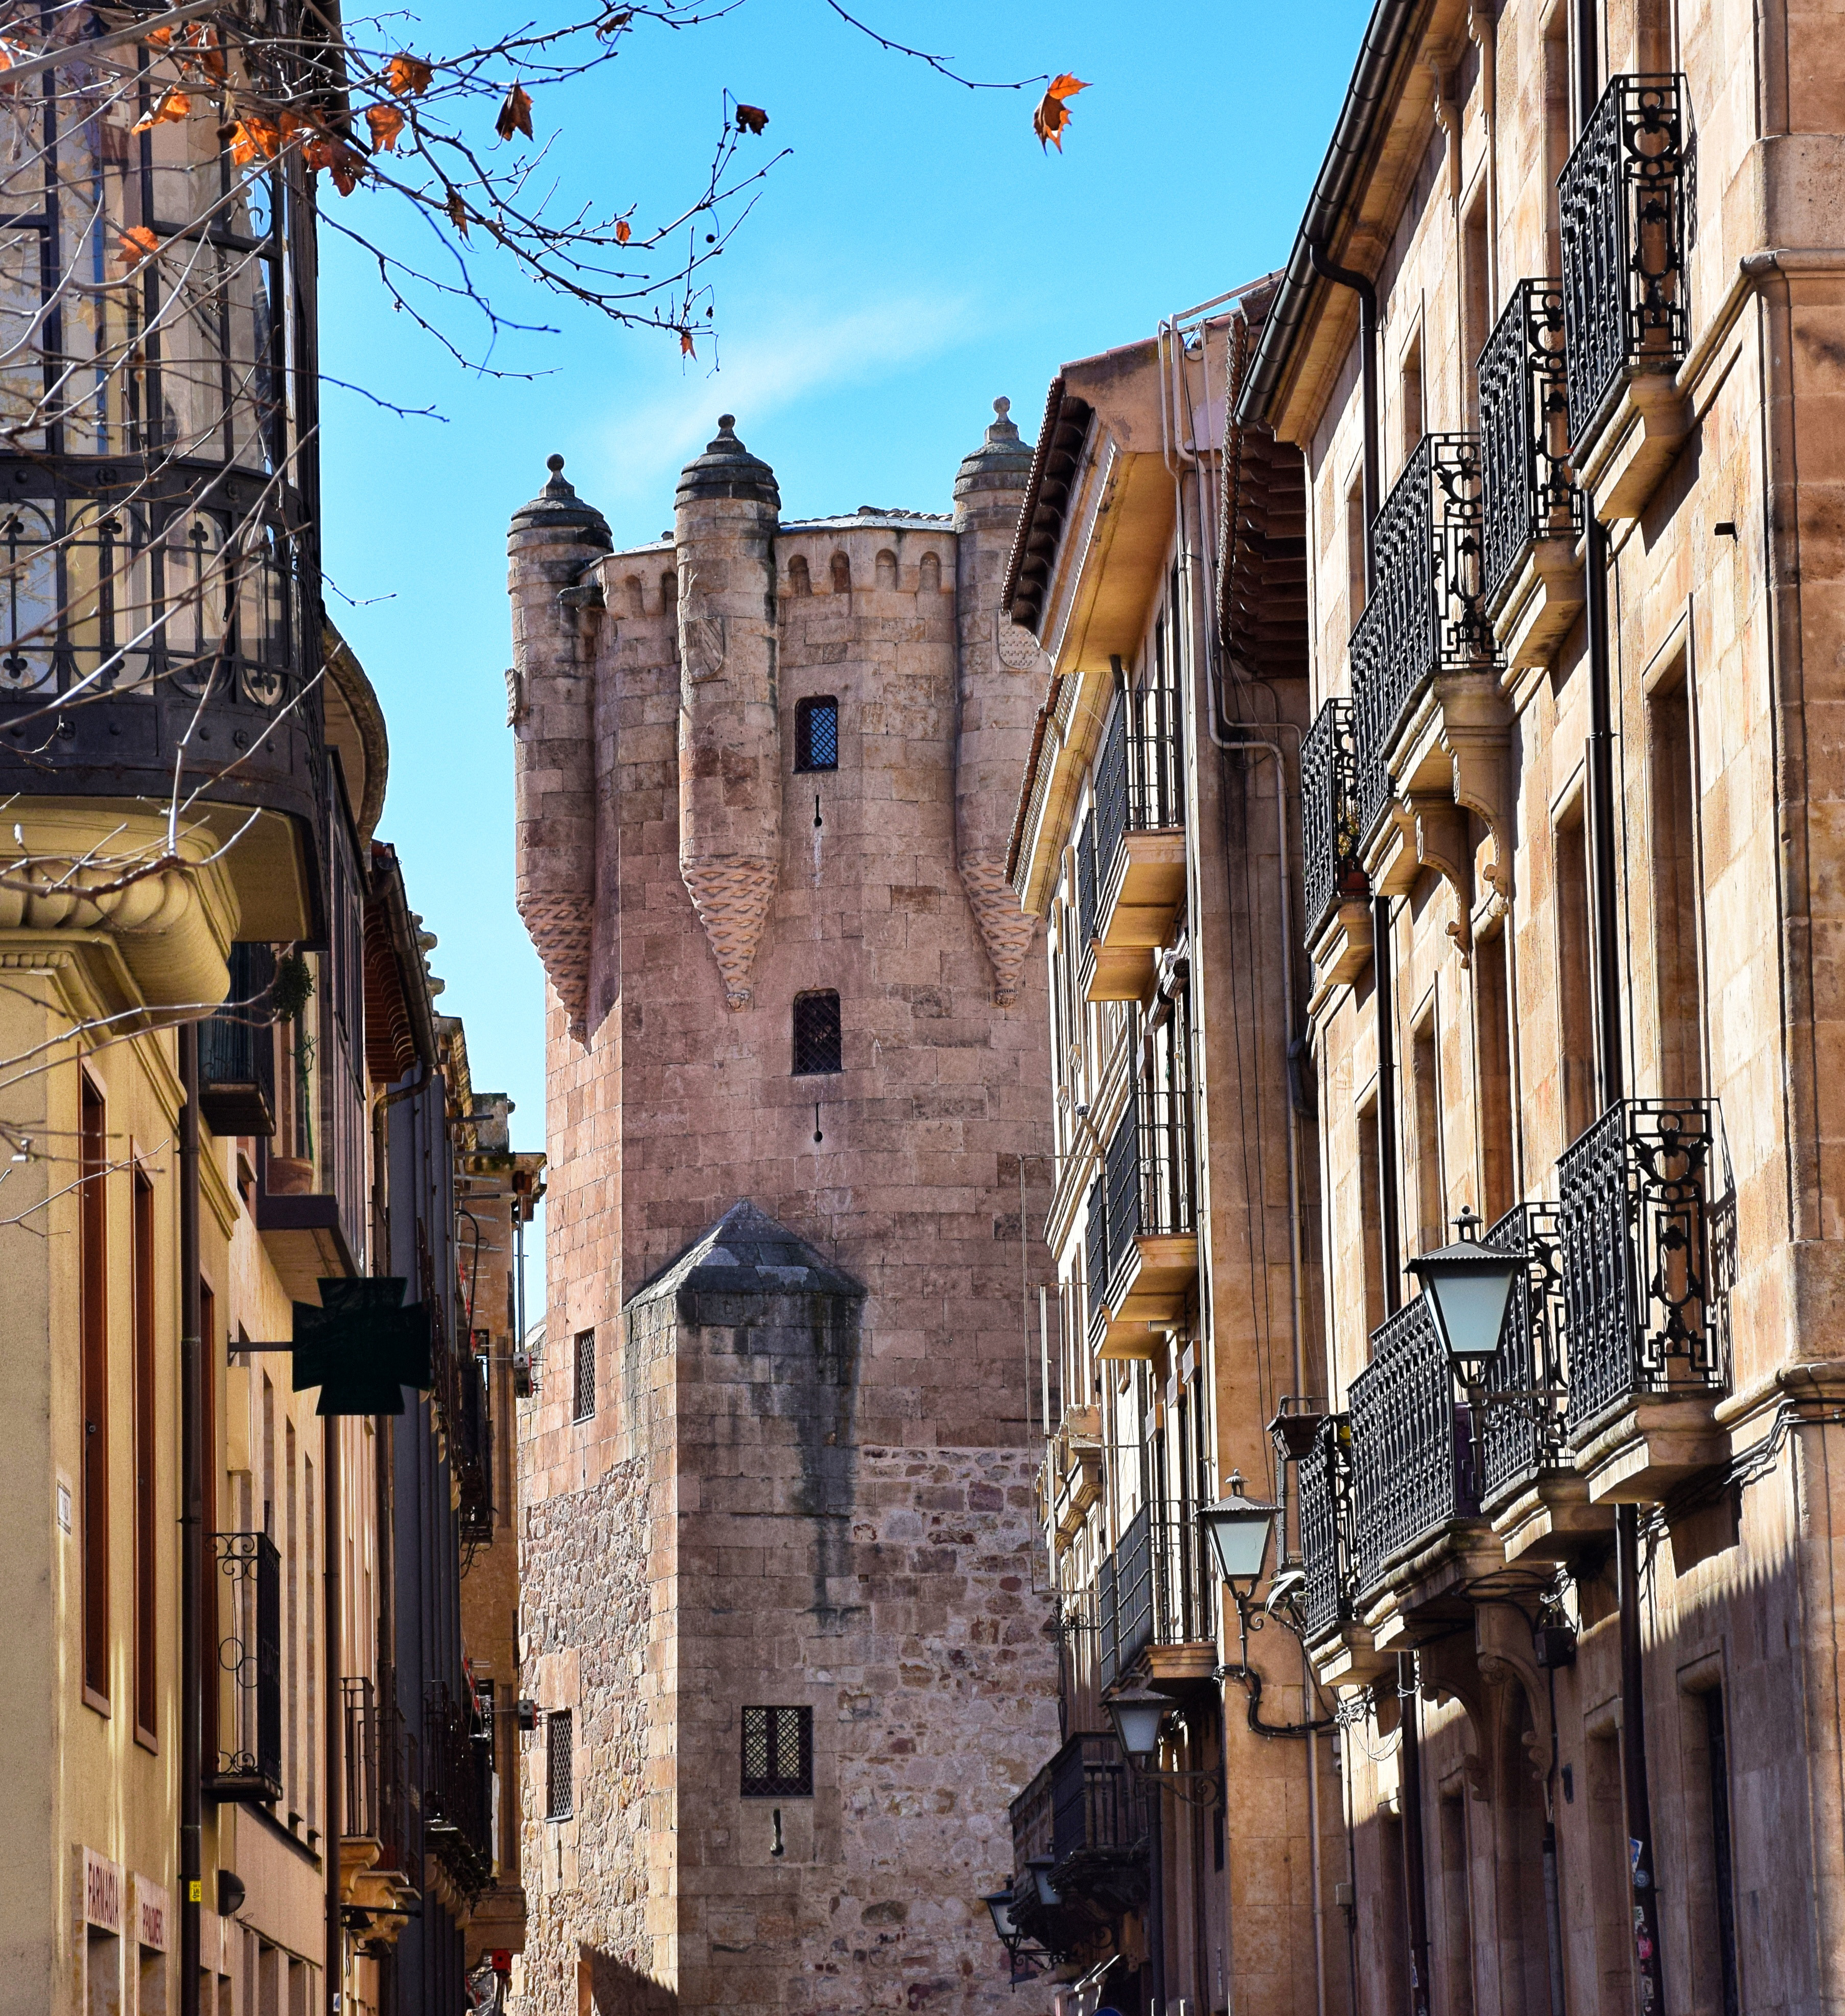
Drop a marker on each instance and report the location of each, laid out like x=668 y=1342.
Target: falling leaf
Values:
x=387 y=122
x=1053 y=115
x=408 y=76
x=174 y=106
x=751 y=119
x=686 y=348
x=457 y=213
x=612 y=24
x=251 y=138
x=623 y=234
x=516 y=114
x=138 y=244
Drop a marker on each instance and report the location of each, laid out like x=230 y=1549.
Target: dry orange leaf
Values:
x=161 y=37
x=205 y=50
x=1053 y=115
x=138 y=244
x=347 y=169
x=252 y=137
x=623 y=234
x=751 y=119
x=457 y=213
x=516 y=114
x=686 y=347
x=174 y=106
x=387 y=122
x=408 y=76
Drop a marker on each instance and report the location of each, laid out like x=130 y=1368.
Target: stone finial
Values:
x=728 y=469
x=1002 y=462
x=558 y=513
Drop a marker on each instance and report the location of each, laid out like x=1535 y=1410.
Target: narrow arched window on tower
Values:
x=817 y=733
x=842 y=574
x=816 y=1033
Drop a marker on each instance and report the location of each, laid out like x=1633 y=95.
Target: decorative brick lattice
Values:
x=732 y=895
x=560 y=928
x=1006 y=930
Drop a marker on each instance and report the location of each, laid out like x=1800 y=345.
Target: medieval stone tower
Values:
x=776 y=1496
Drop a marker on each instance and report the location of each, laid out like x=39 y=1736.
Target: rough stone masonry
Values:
x=782 y=1455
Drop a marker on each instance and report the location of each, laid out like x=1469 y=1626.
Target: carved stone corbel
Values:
x=1441 y=843
x=1502 y=1645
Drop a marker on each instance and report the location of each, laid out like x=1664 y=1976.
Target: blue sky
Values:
x=916 y=255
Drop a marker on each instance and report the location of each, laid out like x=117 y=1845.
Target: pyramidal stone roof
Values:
x=747 y=1253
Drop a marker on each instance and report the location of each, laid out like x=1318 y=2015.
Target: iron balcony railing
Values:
x=1140 y=776
x=1323 y=1495
x=1412 y=1466
x=237 y=1050
x=471 y=1446
x=1156 y=1588
x=1624 y=202
x=457 y=1788
x=1150 y=1184
x=248 y=1765
x=1526 y=491
x=1093 y=1801
x=380 y=1757
x=1427 y=611
x=1328 y=815
x=1524 y=1434
x=1083 y=1815
x=1647 y=1224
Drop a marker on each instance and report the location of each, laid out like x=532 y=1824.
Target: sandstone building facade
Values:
x=778 y=1607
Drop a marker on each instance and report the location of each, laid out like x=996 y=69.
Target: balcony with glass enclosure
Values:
x=1429 y=721
x=1624 y=206
x=1138 y=841
x=1531 y=510
x=160 y=605
x=1647 y=1224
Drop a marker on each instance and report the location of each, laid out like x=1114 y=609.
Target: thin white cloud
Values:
x=764 y=370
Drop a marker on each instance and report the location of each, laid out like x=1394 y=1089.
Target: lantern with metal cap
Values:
x=1468 y=1287
x=1240 y=1528
x=1137 y=1718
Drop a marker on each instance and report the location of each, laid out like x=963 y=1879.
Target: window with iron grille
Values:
x=816 y=1033
x=817 y=733
x=559 y=1766
x=778 y=1753
x=585 y=1396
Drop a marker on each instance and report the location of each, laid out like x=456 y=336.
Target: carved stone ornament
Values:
x=732 y=895
x=1006 y=928
x=560 y=928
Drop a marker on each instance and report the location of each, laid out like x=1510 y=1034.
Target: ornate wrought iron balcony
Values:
x=244 y=1717
x=457 y=1796
x=1156 y=1588
x=1083 y=1816
x=1427 y=613
x=1623 y=202
x=1525 y=492
x=1323 y=1485
x=1647 y=1221
x=1329 y=817
x=1148 y=1195
x=1522 y=1439
x=379 y=1754
x=1412 y=1462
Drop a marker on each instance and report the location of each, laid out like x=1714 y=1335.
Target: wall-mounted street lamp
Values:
x=1026 y=1956
x=1469 y=1287
x=1138 y=1717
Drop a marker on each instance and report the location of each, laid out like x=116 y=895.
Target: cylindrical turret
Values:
x=726 y=512
x=552 y=542
x=997 y=696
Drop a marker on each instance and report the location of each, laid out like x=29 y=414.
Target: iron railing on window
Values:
x=1096 y=1246
x=1427 y=611
x=1086 y=890
x=1523 y=1435
x=237 y=1050
x=1647 y=1220
x=470 y=1450
x=457 y=1788
x=1323 y=1488
x=379 y=1754
x=1624 y=204
x=1150 y=1183
x=1412 y=1466
x=1328 y=818
x=1526 y=493
x=1156 y=1588
x=249 y=1591
x=1140 y=776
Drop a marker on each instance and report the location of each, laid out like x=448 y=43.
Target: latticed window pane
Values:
x=585 y=1396
x=816 y=1034
x=560 y=1801
x=817 y=734
x=778 y=1753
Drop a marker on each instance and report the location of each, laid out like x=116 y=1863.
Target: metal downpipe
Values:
x=192 y=1533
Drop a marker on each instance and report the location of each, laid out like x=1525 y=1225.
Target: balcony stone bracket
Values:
x=1340 y=954
x=1450 y=761
x=1539 y=607
x=1427 y=1591
x=1653 y=1446
x=1551 y=1520
x=1624 y=465
x=1349 y=1659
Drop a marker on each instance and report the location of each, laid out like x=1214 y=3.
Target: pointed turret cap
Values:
x=1002 y=462
x=558 y=510
x=728 y=469
x=747 y=1253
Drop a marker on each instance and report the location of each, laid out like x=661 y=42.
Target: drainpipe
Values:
x=192 y=1542
x=1410 y=1791
x=1155 y=1799
x=1389 y=1234
x=1601 y=791
x=334 y=1696
x=1643 y=1869
x=1342 y=276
